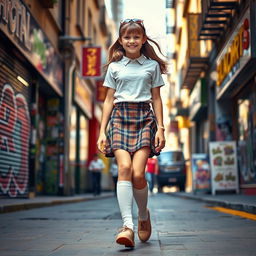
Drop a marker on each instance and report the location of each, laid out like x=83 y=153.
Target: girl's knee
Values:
x=138 y=178
x=124 y=170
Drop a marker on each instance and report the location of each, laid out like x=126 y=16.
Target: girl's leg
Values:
x=124 y=187
x=140 y=187
x=140 y=192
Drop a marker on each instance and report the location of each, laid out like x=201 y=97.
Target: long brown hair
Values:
x=116 y=51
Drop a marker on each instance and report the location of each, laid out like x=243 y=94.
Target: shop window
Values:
x=83 y=139
x=247 y=138
x=83 y=178
x=72 y=148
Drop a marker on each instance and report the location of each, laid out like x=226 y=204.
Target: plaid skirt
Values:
x=131 y=127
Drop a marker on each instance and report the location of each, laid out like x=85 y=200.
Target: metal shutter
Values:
x=14 y=125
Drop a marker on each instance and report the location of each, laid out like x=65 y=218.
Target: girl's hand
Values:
x=159 y=140
x=101 y=143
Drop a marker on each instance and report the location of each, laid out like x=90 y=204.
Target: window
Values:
x=94 y=35
x=89 y=29
x=80 y=10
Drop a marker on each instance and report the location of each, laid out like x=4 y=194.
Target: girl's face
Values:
x=132 y=43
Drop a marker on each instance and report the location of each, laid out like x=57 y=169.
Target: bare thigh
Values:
x=124 y=163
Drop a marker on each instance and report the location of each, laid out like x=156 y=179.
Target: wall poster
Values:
x=201 y=173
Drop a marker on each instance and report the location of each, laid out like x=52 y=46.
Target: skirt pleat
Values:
x=131 y=127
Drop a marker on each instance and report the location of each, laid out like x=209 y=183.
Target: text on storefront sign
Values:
x=235 y=51
x=15 y=16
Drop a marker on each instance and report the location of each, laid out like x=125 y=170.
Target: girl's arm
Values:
x=158 y=109
x=106 y=112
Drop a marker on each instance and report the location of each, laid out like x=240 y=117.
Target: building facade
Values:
x=49 y=112
x=217 y=65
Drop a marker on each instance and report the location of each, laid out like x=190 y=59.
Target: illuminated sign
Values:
x=91 y=62
x=235 y=54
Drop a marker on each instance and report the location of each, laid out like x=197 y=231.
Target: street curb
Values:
x=32 y=205
x=216 y=202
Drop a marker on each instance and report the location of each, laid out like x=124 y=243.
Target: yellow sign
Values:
x=233 y=54
x=236 y=52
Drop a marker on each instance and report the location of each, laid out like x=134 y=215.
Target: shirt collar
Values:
x=140 y=60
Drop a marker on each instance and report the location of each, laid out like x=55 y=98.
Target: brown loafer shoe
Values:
x=125 y=237
x=144 y=229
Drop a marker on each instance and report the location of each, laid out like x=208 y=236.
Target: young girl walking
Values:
x=135 y=131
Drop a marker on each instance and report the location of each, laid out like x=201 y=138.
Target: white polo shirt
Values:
x=133 y=79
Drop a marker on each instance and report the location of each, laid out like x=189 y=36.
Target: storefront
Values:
x=236 y=97
x=15 y=127
x=198 y=115
x=246 y=137
x=48 y=153
x=79 y=134
x=30 y=106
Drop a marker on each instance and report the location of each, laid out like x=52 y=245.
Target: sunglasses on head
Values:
x=126 y=21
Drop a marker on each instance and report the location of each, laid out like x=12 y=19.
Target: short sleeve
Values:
x=109 y=80
x=157 y=79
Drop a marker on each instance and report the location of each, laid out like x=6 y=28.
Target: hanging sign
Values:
x=91 y=62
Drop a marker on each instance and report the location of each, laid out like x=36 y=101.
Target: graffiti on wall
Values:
x=14 y=142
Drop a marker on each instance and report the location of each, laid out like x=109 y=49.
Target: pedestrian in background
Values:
x=151 y=171
x=114 y=172
x=135 y=130
x=96 y=167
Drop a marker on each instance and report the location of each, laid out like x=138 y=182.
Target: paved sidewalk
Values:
x=245 y=203
x=18 y=204
x=238 y=202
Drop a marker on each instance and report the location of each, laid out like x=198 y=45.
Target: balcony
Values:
x=214 y=17
x=170 y=30
x=195 y=61
x=170 y=3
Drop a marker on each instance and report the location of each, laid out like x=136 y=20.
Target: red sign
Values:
x=101 y=91
x=91 y=61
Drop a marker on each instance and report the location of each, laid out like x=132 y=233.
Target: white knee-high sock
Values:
x=125 y=197
x=141 y=198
